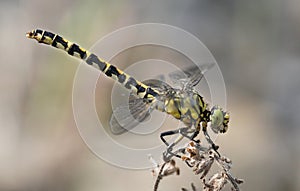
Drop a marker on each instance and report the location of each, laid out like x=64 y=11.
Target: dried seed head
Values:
x=204 y=166
x=170 y=168
x=225 y=159
x=201 y=158
x=216 y=182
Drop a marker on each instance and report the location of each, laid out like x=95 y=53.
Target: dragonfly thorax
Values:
x=188 y=107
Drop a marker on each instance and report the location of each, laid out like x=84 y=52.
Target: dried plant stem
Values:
x=159 y=176
x=201 y=159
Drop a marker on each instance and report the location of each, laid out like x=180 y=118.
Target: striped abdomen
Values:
x=49 y=38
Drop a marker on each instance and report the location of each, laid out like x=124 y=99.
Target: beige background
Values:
x=256 y=44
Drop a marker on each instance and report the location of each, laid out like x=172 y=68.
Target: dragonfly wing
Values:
x=158 y=85
x=127 y=116
x=190 y=76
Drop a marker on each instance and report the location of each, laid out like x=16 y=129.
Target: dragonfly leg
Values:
x=170 y=153
x=184 y=132
x=193 y=136
x=168 y=133
x=187 y=131
x=214 y=146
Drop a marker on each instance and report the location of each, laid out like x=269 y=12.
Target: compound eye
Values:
x=216 y=118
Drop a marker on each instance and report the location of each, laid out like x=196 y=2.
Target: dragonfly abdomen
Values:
x=49 y=38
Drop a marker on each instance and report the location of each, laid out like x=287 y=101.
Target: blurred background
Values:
x=256 y=44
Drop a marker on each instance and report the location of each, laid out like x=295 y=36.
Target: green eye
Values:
x=217 y=118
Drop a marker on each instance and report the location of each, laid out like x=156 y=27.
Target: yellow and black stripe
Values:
x=49 y=38
x=187 y=108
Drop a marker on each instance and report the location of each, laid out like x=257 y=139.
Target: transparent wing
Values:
x=158 y=85
x=191 y=76
x=128 y=115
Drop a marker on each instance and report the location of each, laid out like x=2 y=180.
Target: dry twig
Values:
x=200 y=159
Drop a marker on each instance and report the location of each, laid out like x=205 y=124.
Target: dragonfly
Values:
x=184 y=104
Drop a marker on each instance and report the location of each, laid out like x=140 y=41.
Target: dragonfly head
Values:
x=219 y=119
